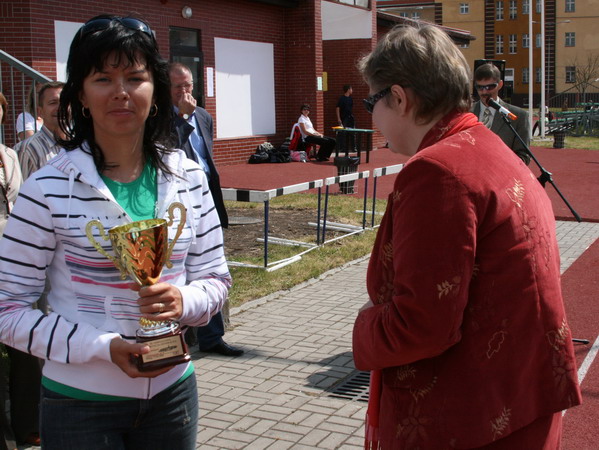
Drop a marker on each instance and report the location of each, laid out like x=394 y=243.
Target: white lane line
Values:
x=586 y=364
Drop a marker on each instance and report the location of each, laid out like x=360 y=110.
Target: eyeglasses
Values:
x=103 y=23
x=486 y=87
x=371 y=100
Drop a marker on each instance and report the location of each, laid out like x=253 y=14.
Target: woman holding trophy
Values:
x=117 y=374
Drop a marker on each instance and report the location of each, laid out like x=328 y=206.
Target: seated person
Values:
x=311 y=136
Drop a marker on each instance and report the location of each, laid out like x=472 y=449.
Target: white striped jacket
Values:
x=90 y=303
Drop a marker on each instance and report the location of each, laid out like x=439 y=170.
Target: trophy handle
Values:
x=90 y=235
x=171 y=217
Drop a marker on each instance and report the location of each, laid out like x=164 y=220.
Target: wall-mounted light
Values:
x=186 y=12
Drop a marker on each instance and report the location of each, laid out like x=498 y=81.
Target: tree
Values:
x=587 y=74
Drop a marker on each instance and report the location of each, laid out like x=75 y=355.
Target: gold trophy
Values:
x=141 y=250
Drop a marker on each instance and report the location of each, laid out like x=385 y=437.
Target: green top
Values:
x=137 y=198
x=80 y=394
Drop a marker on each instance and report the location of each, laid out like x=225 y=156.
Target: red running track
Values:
x=580 y=286
x=574 y=172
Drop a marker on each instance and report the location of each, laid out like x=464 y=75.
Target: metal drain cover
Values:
x=354 y=387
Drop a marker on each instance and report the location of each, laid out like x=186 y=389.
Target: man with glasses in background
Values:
x=194 y=132
x=488 y=83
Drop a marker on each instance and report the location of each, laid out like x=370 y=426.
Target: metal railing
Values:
x=17 y=80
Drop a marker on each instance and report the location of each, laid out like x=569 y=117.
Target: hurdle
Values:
x=254 y=196
x=349 y=229
x=376 y=173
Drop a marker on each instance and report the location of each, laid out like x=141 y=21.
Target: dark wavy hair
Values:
x=88 y=53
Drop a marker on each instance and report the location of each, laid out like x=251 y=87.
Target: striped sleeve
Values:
x=206 y=267
x=26 y=250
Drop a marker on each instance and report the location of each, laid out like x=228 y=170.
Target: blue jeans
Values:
x=169 y=420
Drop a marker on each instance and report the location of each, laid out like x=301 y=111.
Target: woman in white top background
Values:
x=311 y=136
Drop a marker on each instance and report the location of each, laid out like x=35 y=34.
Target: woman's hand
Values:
x=161 y=301
x=124 y=354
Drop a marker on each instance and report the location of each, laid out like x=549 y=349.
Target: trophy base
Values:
x=167 y=347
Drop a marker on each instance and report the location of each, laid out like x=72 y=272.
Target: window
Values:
x=538 y=6
x=415 y=15
x=525 y=40
x=570 y=5
x=537 y=75
x=525 y=75
x=464 y=8
x=570 y=39
x=513 y=43
x=362 y=3
x=513 y=9
x=538 y=41
x=499 y=10
x=403 y=14
x=570 y=74
x=499 y=44
x=465 y=45
x=525 y=6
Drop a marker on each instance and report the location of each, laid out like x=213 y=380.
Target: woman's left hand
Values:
x=161 y=301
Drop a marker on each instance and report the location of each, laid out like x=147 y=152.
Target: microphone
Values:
x=504 y=111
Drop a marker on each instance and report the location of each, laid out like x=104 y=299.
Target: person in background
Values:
x=28 y=122
x=488 y=83
x=117 y=166
x=344 y=109
x=465 y=332
x=25 y=372
x=193 y=127
x=35 y=151
x=311 y=136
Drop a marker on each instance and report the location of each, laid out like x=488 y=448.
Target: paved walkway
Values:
x=297 y=347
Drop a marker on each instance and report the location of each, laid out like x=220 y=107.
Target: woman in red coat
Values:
x=465 y=332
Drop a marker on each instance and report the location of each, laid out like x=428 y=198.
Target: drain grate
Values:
x=355 y=387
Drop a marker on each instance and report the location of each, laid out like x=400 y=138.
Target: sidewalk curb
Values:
x=275 y=295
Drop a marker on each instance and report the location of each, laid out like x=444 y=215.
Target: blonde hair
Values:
x=426 y=60
x=4 y=105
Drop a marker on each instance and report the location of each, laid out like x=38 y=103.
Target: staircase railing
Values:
x=16 y=81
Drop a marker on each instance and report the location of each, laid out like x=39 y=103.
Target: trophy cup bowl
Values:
x=141 y=250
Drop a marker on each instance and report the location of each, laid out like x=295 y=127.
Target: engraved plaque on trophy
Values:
x=141 y=249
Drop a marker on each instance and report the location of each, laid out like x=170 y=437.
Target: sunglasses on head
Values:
x=486 y=87
x=372 y=99
x=103 y=23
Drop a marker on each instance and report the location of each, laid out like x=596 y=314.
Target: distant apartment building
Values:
x=501 y=31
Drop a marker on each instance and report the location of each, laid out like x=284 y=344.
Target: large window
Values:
x=538 y=7
x=499 y=10
x=525 y=6
x=525 y=75
x=513 y=43
x=570 y=74
x=464 y=8
x=571 y=39
x=415 y=15
x=570 y=5
x=525 y=40
x=499 y=44
x=537 y=75
x=513 y=9
x=538 y=40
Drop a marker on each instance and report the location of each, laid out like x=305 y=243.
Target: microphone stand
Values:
x=543 y=178
x=545 y=175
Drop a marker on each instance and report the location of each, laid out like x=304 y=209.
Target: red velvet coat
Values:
x=468 y=323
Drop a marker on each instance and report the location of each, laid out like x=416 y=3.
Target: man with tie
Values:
x=194 y=132
x=488 y=83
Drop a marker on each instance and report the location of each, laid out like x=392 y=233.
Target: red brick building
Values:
x=256 y=61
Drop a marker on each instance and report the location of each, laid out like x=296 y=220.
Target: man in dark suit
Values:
x=488 y=83
x=194 y=132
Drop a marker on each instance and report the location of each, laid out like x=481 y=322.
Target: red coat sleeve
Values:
x=420 y=269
